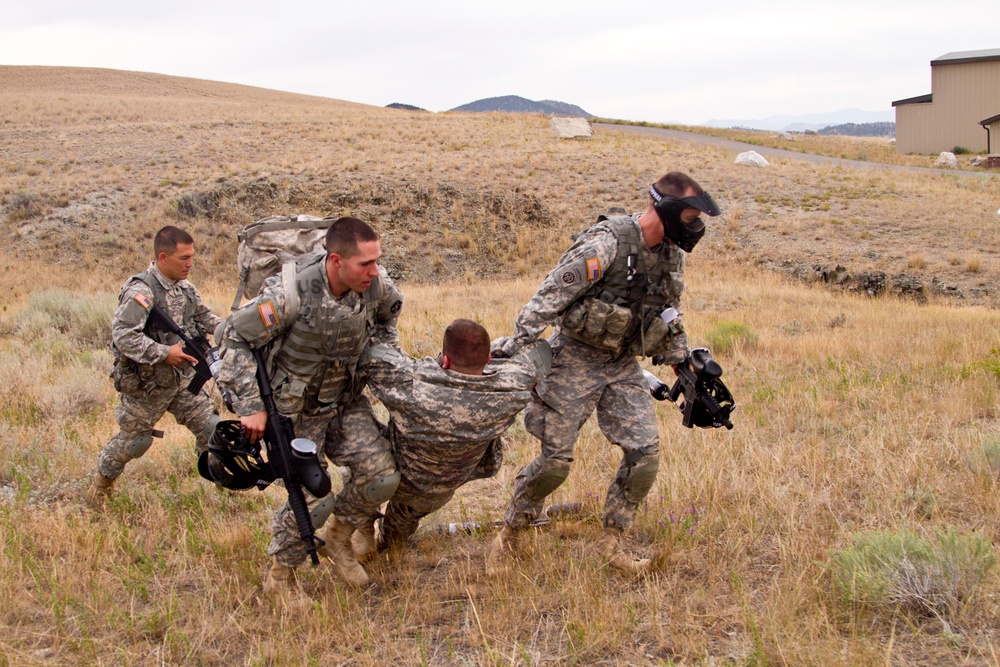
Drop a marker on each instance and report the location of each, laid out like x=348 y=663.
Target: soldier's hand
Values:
x=177 y=356
x=254 y=425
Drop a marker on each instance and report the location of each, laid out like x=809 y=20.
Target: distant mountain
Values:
x=515 y=104
x=404 y=107
x=815 y=121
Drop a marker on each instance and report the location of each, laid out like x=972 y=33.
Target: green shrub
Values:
x=958 y=150
x=85 y=320
x=727 y=335
x=889 y=570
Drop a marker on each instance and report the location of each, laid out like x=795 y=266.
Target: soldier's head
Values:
x=174 y=250
x=353 y=252
x=466 y=347
x=678 y=201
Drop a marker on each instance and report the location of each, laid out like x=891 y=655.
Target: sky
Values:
x=628 y=59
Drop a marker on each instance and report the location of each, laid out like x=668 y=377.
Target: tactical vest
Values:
x=621 y=311
x=313 y=365
x=152 y=329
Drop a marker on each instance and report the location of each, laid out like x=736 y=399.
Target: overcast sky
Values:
x=630 y=59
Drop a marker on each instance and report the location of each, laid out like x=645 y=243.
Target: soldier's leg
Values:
x=357 y=442
x=195 y=412
x=136 y=418
x=627 y=416
x=403 y=514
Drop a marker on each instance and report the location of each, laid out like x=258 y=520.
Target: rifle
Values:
x=294 y=460
x=550 y=513
x=196 y=346
x=707 y=400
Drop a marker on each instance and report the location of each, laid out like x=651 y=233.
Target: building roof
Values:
x=957 y=57
x=920 y=99
x=990 y=120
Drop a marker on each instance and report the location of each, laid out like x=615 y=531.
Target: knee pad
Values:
x=640 y=476
x=552 y=474
x=209 y=429
x=139 y=446
x=322 y=510
x=382 y=487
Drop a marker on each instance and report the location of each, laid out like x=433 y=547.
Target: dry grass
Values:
x=854 y=414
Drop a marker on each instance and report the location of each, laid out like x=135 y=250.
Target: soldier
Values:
x=318 y=324
x=447 y=417
x=613 y=296
x=151 y=370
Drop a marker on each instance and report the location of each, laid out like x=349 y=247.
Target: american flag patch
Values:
x=143 y=300
x=267 y=314
x=593 y=268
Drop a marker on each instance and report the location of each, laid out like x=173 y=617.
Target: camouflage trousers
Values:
x=584 y=380
x=351 y=438
x=138 y=414
x=407 y=507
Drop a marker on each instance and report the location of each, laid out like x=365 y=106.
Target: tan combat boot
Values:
x=608 y=547
x=98 y=491
x=502 y=550
x=363 y=543
x=337 y=536
x=282 y=584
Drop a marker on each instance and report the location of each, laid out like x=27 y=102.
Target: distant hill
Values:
x=515 y=104
x=404 y=107
x=814 y=121
x=862 y=129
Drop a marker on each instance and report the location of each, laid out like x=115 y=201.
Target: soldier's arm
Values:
x=580 y=266
x=679 y=349
x=389 y=307
x=387 y=369
x=255 y=324
x=129 y=322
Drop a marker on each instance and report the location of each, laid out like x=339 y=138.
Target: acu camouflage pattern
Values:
x=149 y=386
x=444 y=425
x=581 y=381
x=585 y=379
x=310 y=361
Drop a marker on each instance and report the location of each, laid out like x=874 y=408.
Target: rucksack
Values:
x=273 y=242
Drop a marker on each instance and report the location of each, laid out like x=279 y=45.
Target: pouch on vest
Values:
x=573 y=318
x=125 y=376
x=289 y=395
x=597 y=318
x=616 y=326
x=658 y=337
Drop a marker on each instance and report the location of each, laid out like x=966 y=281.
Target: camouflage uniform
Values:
x=148 y=385
x=445 y=427
x=602 y=374
x=313 y=369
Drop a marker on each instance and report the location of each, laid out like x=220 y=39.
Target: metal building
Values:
x=965 y=89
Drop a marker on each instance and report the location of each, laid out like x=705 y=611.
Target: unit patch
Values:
x=267 y=314
x=593 y=269
x=143 y=300
x=395 y=307
x=571 y=276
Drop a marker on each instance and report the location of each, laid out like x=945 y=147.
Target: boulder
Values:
x=977 y=160
x=785 y=136
x=572 y=128
x=946 y=161
x=752 y=159
x=892 y=142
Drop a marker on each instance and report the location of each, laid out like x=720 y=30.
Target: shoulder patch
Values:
x=593 y=268
x=571 y=276
x=143 y=300
x=267 y=314
x=396 y=306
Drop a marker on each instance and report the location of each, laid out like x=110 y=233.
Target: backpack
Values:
x=273 y=242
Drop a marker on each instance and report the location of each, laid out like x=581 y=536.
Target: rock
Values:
x=892 y=142
x=785 y=136
x=977 y=161
x=946 y=160
x=572 y=128
x=911 y=286
x=752 y=159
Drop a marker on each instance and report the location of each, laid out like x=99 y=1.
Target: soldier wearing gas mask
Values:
x=614 y=296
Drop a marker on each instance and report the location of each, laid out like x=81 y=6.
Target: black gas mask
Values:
x=684 y=235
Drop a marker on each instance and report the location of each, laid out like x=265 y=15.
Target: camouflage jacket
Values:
x=263 y=322
x=135 y=299
x=442 y=420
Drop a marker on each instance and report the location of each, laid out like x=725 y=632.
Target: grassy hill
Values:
x=867 y=428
